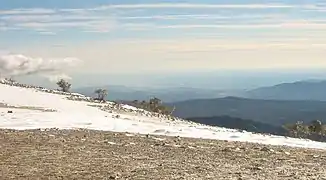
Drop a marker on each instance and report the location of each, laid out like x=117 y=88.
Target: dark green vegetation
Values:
x=301 y=90
x=241 y=124
x=153 y=105
x=315 y=130
x=272 y=112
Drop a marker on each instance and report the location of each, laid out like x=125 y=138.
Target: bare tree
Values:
x=101 y=94
x=64 y=85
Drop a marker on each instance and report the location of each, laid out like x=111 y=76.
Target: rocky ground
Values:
x=84 y=154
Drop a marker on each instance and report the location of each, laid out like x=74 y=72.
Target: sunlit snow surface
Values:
x=78 y=114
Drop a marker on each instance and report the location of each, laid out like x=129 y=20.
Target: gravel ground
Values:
x=85 y=154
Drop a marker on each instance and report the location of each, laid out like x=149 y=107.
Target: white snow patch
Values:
x=112 y=143
x=159 y=139
x=78 y=114
x=130 y=135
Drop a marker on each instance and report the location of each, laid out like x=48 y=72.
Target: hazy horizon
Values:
x=164 y=43
x=204 y=80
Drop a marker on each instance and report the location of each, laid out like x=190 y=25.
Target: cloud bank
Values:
x=110 y=18
x=12 y=65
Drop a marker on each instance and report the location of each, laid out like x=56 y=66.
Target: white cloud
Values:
x=273 y=27
x=197 y=6
x=57 y=76
x=47 y=33
x=227 y=26
x=96 y=25
x=284 y=25
x=27 y=11
x=204 y=17
x=36 y=11
x=48 y=18
x=167 y=55
x=7 y=28
x=58 y=21
x=111 y=17
x=20 y=65
x=182 y=45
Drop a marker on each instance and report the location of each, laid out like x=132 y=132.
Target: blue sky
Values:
x=119 y=36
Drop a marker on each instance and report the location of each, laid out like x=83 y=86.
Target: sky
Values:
x=143 y=36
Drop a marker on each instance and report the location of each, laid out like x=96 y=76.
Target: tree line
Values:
x=153 y=104
x=315 y=130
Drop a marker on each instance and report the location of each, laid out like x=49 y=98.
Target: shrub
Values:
x=315 y=130
x=315 y=126
x=153 y=105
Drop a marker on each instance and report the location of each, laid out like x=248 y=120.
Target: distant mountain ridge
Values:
x=165 y=94
x=241 y=124
x=274 y=112
x=300 y=90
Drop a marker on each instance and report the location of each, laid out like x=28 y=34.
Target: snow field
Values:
x=71 y=114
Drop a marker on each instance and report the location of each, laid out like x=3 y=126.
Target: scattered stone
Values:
x=227 y=149
x=243 y=148
x=159 y=139
x=287 y=153
x=130 y=135
x=153 y=163
x=159 y=131
x=191 y=147
x=114 y=176
x=258 y=168
x=112 y=143
x=158 y=144
x=266 y=149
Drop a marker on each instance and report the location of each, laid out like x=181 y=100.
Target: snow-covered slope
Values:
x=37 y=108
